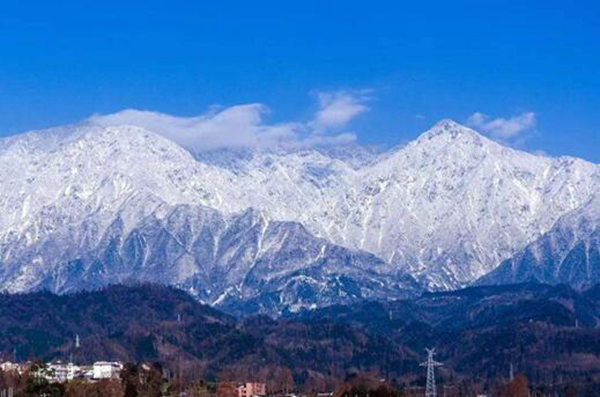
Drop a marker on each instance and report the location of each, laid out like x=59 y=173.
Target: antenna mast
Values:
x=430 y=389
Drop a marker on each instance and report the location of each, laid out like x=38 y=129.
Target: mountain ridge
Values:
x=447 y=208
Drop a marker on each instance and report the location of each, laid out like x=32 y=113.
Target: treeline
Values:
x=547 y=333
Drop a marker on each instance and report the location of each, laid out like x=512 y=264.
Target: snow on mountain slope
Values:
x=224 y=261
x=569 y=253
x=452 y=204
x=97 y=170
x=448 y=207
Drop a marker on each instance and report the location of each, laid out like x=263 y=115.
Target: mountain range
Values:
x=279 y=230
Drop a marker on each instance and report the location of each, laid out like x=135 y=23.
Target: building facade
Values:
x=250 y=389
x=106 y=370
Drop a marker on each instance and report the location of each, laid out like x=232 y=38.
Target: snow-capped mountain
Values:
x=448 y=207
x=453 y=204
x=569 y=253
x=83 y=206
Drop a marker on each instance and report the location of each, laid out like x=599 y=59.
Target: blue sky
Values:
x=524 y=72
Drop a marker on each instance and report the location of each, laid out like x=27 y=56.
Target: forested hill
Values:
x=550 y=333
x=118 y=322
x=157 y=323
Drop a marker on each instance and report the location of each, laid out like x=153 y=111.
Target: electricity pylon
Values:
x=430 y=389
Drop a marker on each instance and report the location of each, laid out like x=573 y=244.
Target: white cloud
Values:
x=336 y=109
x=245 y=125
x=502 y=128
x=237 y=126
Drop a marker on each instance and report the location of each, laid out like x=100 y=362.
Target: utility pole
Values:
x=430 y=389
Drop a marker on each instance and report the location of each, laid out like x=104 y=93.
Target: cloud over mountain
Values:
x=245 y=126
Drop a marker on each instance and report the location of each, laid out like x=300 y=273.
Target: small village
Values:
x=103 y=373
x=115 y=378
x=58 y=372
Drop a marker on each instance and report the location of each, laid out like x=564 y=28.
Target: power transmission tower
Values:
x=430 y=389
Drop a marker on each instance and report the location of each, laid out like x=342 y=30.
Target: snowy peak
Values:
x=449 y=132
x=450 y=128
x=453 y=204
x=447 y=144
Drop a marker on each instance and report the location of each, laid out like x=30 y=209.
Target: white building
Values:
x=106 y=370
x=252 y=389
x=62 y=372
x=8 y=366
